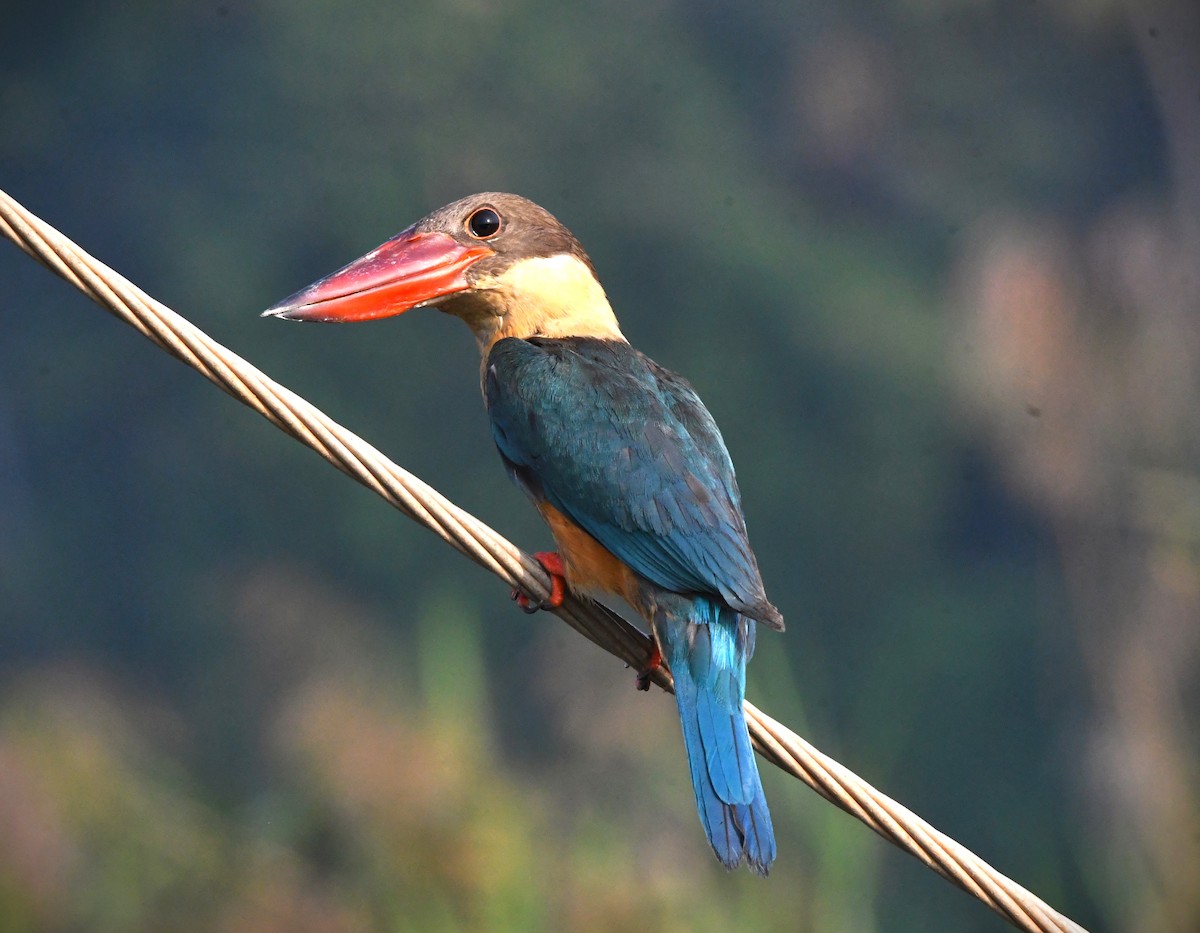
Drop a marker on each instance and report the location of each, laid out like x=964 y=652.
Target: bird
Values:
x=623 y=461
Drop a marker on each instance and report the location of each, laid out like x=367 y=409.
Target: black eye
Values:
x=484 y=223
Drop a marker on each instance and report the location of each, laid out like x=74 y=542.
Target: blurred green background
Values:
x=933 y=266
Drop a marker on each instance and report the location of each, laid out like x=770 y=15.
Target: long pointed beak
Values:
x=409 y=270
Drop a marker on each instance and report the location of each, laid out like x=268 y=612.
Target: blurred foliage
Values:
x=926 y=261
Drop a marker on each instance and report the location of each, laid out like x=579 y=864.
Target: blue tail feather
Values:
x=706 y=646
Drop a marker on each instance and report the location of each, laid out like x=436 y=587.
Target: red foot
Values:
x=553 y=565
x=653 y=663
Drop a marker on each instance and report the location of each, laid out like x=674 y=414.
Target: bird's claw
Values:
x=527 y=603
x=553 y=565
x=653 y=663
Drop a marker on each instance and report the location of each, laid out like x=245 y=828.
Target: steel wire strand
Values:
x=458 y=528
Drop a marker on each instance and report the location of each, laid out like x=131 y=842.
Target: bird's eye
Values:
x=483 y=224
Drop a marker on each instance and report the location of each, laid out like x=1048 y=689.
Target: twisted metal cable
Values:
x=462 y=531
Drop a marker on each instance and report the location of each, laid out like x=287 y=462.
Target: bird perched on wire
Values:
x=619 y=455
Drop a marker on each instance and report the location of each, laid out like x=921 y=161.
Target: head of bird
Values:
x=503 y=264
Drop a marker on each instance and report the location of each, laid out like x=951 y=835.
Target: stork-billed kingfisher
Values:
x=619 y=455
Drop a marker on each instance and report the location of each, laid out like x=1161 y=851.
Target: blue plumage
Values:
x=707 y=648
x=626 y=450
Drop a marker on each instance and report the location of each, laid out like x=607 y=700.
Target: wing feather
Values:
x=630 y=453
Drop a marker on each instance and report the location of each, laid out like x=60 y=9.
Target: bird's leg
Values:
x=653 y=663
x=553 y=565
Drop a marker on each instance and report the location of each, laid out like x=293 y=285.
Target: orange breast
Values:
x=590 y=565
